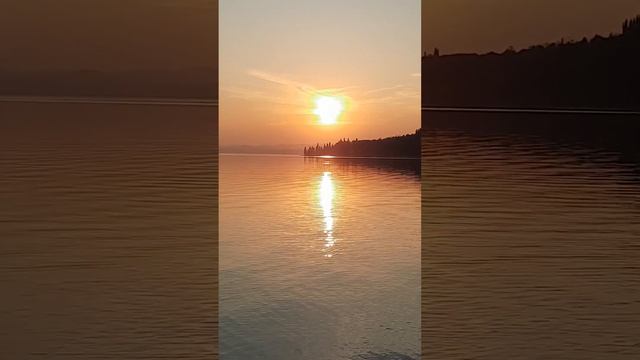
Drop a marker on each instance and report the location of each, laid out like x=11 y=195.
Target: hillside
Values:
x=600 y=73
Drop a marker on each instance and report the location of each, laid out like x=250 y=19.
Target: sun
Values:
x=328 y=109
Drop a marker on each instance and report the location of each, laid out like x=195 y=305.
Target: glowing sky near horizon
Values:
x=277 y=57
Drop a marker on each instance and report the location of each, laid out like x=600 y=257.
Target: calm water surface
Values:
x=108 y=223
x=531 y=238
x=319 y=259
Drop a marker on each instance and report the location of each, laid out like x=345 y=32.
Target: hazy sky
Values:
x=275 y=54
x=108 y=34
x=456 y=26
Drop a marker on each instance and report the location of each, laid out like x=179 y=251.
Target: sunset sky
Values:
x=464 y=26
x=277 y=56
x=108 y=35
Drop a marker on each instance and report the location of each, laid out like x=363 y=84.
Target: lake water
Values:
x=319 y=258
x=108 y=231
x=108 y=223
x=531 y=237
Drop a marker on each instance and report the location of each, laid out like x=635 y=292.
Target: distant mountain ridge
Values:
x=601 y=73
x=405 y=146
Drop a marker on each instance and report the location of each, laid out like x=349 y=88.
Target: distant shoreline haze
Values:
x=403 y=146
x=280 y=149
x=600 y=73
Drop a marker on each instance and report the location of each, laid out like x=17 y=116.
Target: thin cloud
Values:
x=300 y=86
x=393 y=94
x=281 y=80
x=384 y=89
x=397 y=94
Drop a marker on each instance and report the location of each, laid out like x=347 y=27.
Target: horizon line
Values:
x=112 y=100
x=321 y=156
x=530 y=110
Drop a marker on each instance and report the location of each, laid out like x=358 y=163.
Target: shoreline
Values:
x=323 y=156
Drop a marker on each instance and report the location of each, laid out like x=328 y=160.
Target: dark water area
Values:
x=108 y=231
x=530 y=236
x=600 y=131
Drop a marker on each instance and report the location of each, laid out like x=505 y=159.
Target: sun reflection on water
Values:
x=326 y=203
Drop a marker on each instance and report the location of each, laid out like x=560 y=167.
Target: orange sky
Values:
x=465 y=26
x=108 y=35
x=276 y=54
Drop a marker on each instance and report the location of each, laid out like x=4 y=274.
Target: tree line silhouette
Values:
x=406 y=146
x=602 y=72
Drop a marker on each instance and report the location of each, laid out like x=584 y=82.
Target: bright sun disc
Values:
x=328 y=109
